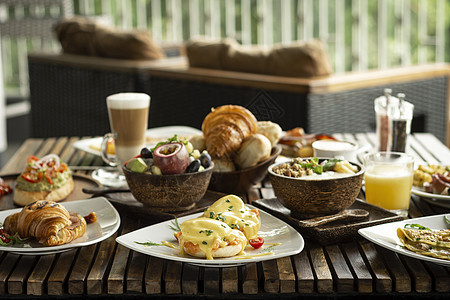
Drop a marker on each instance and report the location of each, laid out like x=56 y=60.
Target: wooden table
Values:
x=355 y=268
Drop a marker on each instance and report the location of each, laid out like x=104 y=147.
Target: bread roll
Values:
x=270 y=130
x=254 y=149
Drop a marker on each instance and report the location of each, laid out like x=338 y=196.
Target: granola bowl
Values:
x=313 y=196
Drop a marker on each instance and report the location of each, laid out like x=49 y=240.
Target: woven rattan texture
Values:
x=353 y=111
x=67 y=101
x=188 y=102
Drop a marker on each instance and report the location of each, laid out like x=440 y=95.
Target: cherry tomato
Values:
x=256 y=242
x=4 y=236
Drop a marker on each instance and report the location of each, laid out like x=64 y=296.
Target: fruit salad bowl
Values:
x=169 y=193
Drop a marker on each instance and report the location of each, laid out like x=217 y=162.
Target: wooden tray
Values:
x=126 y=203
x=80 y=181
x=330 y=233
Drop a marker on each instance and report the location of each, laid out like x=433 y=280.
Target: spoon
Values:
x=350 y=214
x=100 y=191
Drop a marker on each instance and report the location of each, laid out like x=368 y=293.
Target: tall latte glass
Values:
x=388 y=180
x=128 y=119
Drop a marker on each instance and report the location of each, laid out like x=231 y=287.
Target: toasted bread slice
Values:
x=23 y=198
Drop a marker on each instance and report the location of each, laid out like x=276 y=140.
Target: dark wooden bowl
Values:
x=239 y=182
x=308 y=198
x=169 y=193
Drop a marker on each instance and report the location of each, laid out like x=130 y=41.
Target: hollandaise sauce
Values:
x=232 y=210
x=208 y=235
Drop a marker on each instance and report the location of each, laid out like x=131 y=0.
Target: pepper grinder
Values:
x=400 y=118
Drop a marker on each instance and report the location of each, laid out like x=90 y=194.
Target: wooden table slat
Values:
x=400 y=277
x=57 y=279
x=172 y=278
x=271 y=278
x=344 y=277
x=362 y=273
x=17 y=280
x=190 y=279
x=383 y=282
x=211 y=281
x=286 y=275
x=305 y=276
x=78 y=277
x=135 y=274
x=95 y=281
x=36 y=282
x=153 y=275
x=230 y=280
x=421 y=278
x=250 y=278
x=322 y=270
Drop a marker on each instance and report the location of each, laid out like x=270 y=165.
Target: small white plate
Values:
x=273 y=230
x=152 y=135
x=385 y=235
x=420 y=192
x=108 y=221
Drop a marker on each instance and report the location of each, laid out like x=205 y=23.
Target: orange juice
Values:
x=389 y=186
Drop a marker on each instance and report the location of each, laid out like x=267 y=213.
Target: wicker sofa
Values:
x=68 y=92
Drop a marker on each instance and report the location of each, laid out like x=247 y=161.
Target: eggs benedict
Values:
x=210 y=238
x=231 y=210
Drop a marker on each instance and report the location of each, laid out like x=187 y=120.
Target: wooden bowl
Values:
x=239 y=182
x=169 y=193
x=307 y=198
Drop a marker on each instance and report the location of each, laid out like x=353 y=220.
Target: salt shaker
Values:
x=400 y=117
x=382 y=121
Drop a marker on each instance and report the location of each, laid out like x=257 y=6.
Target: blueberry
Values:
x=205 y=159
x=146 y=153
x=193 y=166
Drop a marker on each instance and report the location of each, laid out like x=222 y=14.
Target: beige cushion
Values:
x=82 y=36
x=299 y=59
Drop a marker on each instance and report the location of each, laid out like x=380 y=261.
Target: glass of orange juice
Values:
x=388 y=180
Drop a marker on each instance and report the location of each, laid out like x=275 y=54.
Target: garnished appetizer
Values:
x=210 y=238
x=425 y=241
x=47 y=178
x=232 y=210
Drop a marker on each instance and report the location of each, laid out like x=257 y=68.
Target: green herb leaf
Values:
x=148 y=243
x=416 y=226
x=328 y=165
x=175 y=226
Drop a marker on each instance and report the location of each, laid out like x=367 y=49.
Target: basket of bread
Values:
x=240 y=146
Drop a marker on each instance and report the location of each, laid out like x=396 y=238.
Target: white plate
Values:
x=273 y=230
x=108 y=221
x=385 y=235
x=420 y=192
x=440 y=203
x=159 y=133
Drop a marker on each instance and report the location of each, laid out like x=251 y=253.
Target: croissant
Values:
x=47 y=221
x=226 y=127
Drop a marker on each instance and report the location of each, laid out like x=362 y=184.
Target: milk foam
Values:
x=128 y=101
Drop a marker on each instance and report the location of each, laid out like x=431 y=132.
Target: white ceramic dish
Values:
x=385 y=235
x=273 y=230
x=92 y=146
x=420 y=192
x=108 y=221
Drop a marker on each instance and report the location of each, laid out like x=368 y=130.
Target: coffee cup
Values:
x=336 y=149
x=128 y=119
